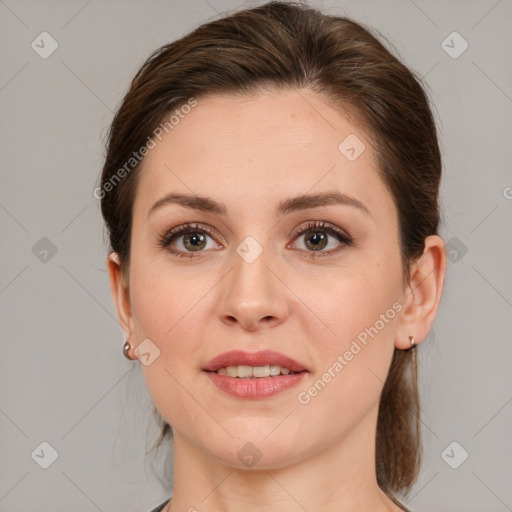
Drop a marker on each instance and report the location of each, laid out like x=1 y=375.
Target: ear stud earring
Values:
x=412 y=341
x=126 y=348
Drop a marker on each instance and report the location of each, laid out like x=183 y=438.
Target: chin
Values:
x=255 y=449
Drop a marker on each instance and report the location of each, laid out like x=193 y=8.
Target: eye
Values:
x=317 y=238
x=194 y=239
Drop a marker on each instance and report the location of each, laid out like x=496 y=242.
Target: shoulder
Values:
x=160 y=507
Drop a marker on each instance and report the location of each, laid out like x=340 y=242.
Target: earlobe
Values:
x=120 y=294
x=423 y=294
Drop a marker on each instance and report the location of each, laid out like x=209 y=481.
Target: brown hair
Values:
x=290 y=45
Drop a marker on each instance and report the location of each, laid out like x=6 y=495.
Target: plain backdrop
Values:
x=63 y=379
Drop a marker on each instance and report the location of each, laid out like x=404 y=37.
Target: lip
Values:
x=255 y=387
x=261 y=358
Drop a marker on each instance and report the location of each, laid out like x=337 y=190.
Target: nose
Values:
x=253 y=294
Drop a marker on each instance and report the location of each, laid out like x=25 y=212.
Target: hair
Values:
x=283 y=46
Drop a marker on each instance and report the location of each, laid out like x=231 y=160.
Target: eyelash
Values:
x=165 y=240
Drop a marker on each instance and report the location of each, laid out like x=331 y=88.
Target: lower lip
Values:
x=255 y=387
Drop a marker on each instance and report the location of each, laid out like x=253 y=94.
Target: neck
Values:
x=340 y=477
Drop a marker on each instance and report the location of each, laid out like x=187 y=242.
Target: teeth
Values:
x=275 y=369
x=244 y=371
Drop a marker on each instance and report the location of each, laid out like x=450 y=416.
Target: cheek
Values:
x=164 y=307
x=163 y=300
x=175 y=308
x=361 y=309
x=351 y=300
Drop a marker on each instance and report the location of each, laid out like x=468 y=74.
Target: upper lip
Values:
x=262 y=358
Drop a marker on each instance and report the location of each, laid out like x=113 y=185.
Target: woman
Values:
x=271 y=195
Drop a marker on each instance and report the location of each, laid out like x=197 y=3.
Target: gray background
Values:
x=63 y=378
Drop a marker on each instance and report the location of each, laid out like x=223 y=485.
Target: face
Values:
x=319 y=282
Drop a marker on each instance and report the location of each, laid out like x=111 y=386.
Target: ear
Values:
x=423 y=293
x=120 y=294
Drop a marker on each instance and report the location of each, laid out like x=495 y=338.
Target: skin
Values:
x=251 y=153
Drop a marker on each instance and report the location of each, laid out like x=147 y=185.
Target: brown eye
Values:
x=317 y=236
x=316 y=240
x=194 y=241
x=185 y=240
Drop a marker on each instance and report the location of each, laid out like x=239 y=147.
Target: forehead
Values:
x=260 y=149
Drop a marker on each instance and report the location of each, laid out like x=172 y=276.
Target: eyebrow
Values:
x=302 y=202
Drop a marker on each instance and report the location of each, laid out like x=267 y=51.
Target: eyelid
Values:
x=311 y=225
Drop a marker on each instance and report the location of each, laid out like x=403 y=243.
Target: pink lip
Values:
x=255 y=387
x=262 y=358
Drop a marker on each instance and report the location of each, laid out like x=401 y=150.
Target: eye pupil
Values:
x=320 y=241
x=193 y=238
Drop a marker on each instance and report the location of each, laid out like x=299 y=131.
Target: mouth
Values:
x=254 y=375
x=254 y=372
x=265 y=363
